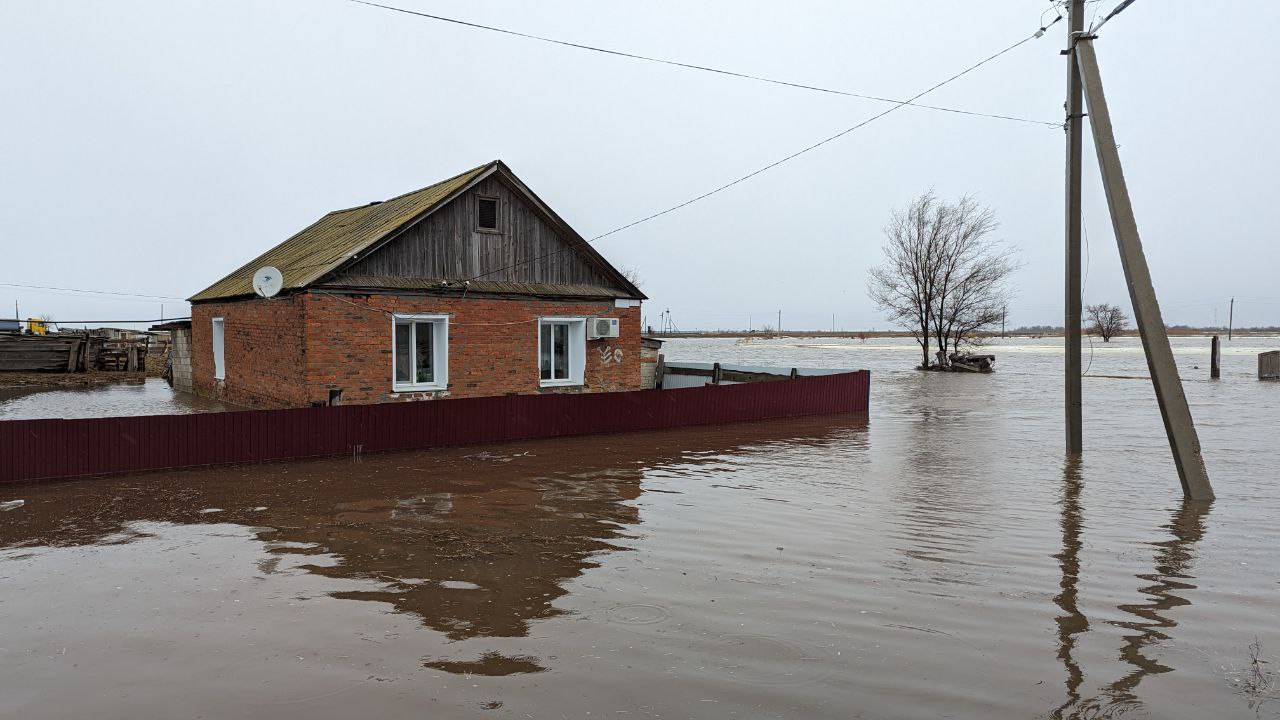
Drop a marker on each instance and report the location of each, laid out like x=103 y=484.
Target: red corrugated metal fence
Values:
x=50 y=449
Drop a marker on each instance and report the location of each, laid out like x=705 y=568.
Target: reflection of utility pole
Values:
x=1071 y=320
x=1071 y=622
x=1178 y=423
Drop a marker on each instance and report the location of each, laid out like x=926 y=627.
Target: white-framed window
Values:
x=419 y=352
x=219 y=349
x=562 y=350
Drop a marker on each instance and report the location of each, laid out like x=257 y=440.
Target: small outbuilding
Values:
x=469 y=287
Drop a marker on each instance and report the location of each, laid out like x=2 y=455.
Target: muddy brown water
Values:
x=938 y=559
x=150 y=397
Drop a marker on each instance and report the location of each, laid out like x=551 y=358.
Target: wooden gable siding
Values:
x=447 y=245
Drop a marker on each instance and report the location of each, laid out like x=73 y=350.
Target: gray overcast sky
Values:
x=153 y=146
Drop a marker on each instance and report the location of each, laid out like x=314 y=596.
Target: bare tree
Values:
x=632 y=275
x=1106 y=320
x=944 y=277
x=47 y=319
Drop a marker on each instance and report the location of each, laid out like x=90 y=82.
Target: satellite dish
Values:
x=267 y=281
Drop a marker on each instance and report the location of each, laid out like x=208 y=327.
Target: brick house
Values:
x=472 y=286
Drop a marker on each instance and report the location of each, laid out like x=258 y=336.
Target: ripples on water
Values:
x=151 y=397
x=936 y=560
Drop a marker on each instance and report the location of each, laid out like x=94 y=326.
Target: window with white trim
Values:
x=219 y=349
x=419 y=352
x=562 y=351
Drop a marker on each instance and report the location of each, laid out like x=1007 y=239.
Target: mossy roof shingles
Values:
x=336 y=237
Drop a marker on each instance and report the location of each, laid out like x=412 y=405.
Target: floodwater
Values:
x=151 y=397
x=938 y=559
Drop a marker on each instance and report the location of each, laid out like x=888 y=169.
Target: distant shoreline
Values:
x=883 y=334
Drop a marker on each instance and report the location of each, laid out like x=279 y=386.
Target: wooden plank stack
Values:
x=64 y=352
x=39 y=353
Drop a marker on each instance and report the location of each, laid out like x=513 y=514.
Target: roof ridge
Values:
x=412 y=192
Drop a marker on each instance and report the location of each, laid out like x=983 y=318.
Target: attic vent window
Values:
x=487 y=213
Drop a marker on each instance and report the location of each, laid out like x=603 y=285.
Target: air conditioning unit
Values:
x=602 y=328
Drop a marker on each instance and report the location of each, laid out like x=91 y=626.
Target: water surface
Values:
x=151 y=397
x=939 y=559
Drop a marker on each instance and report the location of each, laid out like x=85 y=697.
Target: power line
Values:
x=775 y=163
x=703 y=68
x=89 y=292
x=1118 y=9
x=55 y=321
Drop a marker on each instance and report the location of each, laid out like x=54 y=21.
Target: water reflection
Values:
x=150 y=397
x=1072 y=621
x=472 y=543
x=1173 y=559
x=940 y=514
x=1172 y=566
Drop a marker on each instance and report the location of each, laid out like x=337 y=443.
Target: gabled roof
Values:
x=342 y=235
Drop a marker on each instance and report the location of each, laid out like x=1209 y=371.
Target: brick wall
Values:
x=263 y=352
x=292 y=351
x=492 y=346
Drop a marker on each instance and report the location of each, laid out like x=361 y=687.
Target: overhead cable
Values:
x=89 y=292
x=1118 y=9
x=703 y=68
x=55 y=321
x=776 y=163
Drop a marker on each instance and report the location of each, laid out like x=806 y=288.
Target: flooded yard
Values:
x=937 y=559
x=152 y=397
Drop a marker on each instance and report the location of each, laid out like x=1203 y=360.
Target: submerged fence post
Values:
x=716 y=374
x=1215 y=370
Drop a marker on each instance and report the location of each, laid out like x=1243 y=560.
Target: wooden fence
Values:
x=52 y=449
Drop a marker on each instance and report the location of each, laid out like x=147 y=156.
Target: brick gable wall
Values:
x=264 y=352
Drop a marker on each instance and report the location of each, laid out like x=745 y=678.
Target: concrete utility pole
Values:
x=1071 y=320
x=1231 y=318
x=1174 y=410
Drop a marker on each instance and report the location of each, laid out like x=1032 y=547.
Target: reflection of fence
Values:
x=49 y=449
x=1269 y=365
